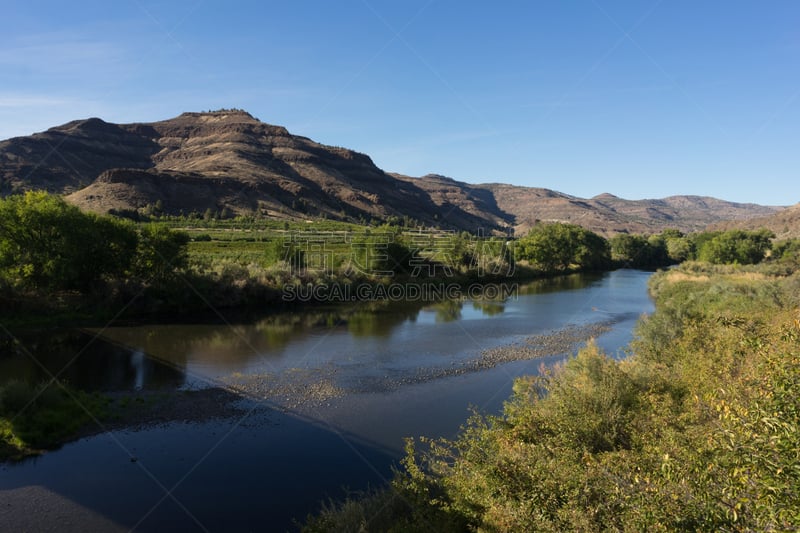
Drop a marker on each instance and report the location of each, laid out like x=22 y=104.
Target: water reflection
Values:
x=270 y=339
x=369 y=324
x=384 y=336
x=571 y=282
x=490 y=307
x=82 y=361
x=447 y=311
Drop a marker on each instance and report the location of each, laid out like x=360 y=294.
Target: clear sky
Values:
x=642 y=99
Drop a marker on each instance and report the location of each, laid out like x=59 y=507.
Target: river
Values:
x=325 y=398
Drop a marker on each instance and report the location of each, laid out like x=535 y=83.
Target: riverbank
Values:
x=698 y=430
x=56 y=417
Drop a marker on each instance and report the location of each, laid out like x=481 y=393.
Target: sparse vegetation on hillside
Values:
x=785 y=223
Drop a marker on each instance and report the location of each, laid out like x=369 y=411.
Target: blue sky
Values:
x=643 y=99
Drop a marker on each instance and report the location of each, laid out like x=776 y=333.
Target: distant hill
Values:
x=606 y=214
x=229 y=160
x=785 y=224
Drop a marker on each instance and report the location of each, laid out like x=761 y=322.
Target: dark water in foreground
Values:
x=277 y=461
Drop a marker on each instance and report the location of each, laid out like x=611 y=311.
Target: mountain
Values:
x=455 y=197
x=605 y=214
x=228 y=160
x=214 y=160
x=785 y=224
x=69 y=157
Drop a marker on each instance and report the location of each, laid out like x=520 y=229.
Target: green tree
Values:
x=658 y=253
x=594 y=252
x=463 y=251
x=48 y=244
x=631 y=250
x=639 y=251
x=106 y=248
x=699 y=240
x=283 y=250
x=559 y=246
x=736 y=246
x=788 y=250
x=161 y=252
x=384 y=251
x=679 y=249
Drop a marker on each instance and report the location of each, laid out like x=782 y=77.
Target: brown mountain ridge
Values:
x=229 y=160
x=785 y=224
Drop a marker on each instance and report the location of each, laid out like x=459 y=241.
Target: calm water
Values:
x=260 y=470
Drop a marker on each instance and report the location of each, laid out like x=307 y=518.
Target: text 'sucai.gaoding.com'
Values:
x=410 y=292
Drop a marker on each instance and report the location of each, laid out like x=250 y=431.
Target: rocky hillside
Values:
x=228 y=160
x=454 y=197
x=69 y=157
x=216 y=160
x=606 y=214
x=785 y=224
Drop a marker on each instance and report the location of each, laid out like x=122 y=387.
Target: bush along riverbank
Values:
x=698 y=430
x=34 y=418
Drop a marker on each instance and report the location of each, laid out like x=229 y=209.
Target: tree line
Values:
x=672 y=247
x=559 y=247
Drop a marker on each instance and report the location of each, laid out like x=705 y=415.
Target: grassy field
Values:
x=333 y=246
